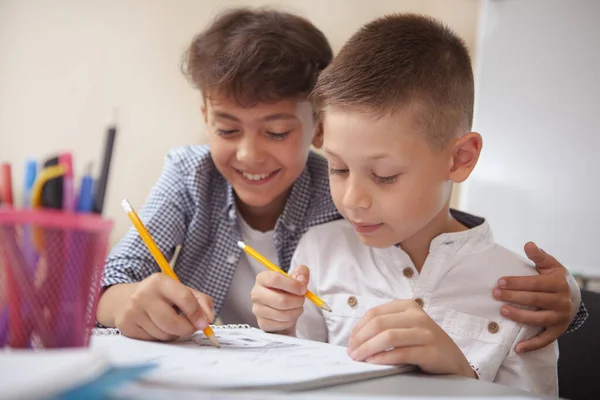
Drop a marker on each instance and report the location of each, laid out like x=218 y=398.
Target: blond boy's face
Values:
x=385 y=177
x=260 y=150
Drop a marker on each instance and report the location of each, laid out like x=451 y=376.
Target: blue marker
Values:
x=85 y=202
x=30 y=175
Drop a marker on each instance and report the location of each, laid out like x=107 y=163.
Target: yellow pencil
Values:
x=158 y=256
x=309 y=295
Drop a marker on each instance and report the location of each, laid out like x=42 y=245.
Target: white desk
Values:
x=418 y=384
x=404 y=386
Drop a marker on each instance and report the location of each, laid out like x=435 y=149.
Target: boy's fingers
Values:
x=392 y=307
x=273 y=326
x=185 y=300
x=275 y=280
x=276 y=299
x=528 y=317
x=537 y=342
x=542 y=260
x=402 y=355
x=541 y=300
x=375 y=326
x=385 y=340
x=150 y=327
x=301 y=273
x=533 y=252
x=549 y=283
x=169 y=321
x=136 y=332
x=206 y=304
x=264 y=311
x=133 y=330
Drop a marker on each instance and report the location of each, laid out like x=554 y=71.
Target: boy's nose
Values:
x=251 y=151
x=356 y=196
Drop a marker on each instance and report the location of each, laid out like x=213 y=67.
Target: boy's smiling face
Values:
x=260 y=150
x=385 y=176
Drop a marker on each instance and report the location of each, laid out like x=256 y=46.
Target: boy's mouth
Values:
x=257 y=178
x=361 y=227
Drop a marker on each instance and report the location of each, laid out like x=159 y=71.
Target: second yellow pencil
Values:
x=264 y=261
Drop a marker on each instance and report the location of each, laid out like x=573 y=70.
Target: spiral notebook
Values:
x=248 y=359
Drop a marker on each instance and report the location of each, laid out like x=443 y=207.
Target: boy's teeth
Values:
x=255 y=177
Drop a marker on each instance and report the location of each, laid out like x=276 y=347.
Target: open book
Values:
x=248 y=358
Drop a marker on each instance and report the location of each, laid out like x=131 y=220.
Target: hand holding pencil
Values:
x=278 y=298
x=150 y=313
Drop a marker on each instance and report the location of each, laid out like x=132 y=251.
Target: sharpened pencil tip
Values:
x=241 y=244
x=214 y=341
x=326 y=307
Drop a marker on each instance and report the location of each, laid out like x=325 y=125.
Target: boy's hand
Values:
x=278 y=300
x=400 y=332
x=548 y=292
x=152 y=312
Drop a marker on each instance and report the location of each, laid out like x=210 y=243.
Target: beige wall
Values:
x=66 y=64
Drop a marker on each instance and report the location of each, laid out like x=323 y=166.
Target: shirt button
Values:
x=352 y=301
x=232 y=214
x=292 y=227
x=408 y=272
x=493 y=327
x=419 y=302
x=231 y=259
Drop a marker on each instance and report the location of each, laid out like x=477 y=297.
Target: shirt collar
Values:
x=478 y=236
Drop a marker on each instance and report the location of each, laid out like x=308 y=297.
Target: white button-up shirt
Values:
x=454 y=287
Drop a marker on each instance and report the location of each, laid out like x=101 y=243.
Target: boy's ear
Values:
x=466 y=152
x=317 y=141
x=203 y=108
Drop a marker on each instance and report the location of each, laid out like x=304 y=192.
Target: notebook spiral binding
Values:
x=115 y=331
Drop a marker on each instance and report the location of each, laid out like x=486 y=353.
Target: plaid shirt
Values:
x=192 y=204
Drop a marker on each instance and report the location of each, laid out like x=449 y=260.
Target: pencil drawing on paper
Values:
x=237 y=340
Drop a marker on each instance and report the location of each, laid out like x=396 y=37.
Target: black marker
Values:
x=52 y=191
x=100 y=187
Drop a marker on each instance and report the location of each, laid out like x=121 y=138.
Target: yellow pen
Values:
x=158 y=256
x=309 y=295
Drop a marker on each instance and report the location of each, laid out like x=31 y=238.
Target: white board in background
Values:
x=538 y=109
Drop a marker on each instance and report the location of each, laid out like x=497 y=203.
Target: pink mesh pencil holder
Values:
x=50 y=269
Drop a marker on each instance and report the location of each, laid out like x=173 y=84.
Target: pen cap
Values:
x=66 y=159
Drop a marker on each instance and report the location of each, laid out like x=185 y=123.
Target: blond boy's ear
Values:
x=317 y=141
x=466 y=152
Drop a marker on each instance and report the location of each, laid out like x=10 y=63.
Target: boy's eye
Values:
x=386 y=179
x=335 y=171
x=227 y=132
x=278 y=135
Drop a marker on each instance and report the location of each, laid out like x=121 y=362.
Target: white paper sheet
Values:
x=248 y=358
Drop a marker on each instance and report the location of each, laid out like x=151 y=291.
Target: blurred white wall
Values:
x=538 y=110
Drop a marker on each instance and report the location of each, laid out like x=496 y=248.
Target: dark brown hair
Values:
x=257 y=55
x=404 y=60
